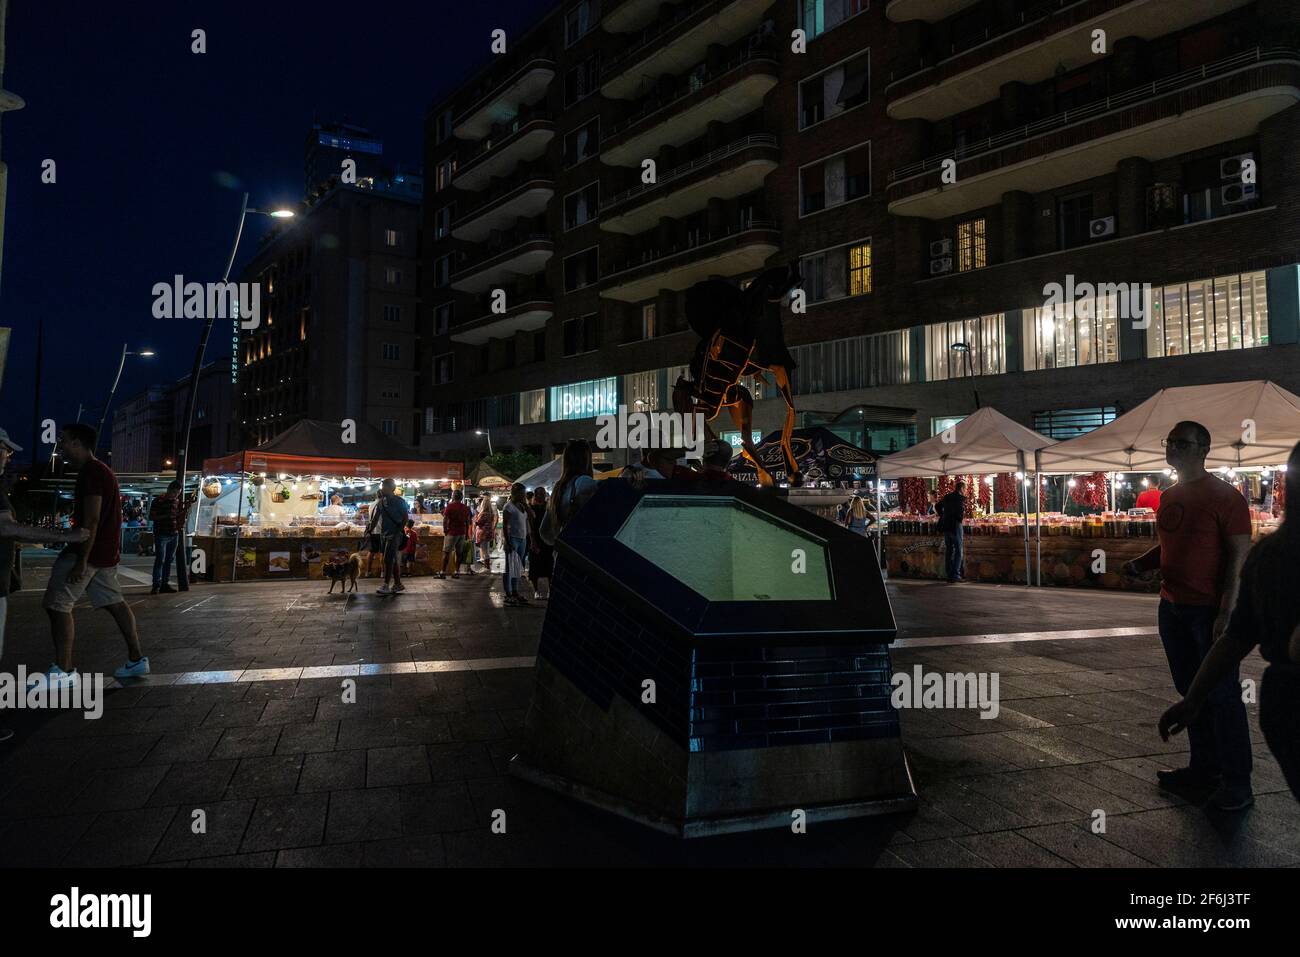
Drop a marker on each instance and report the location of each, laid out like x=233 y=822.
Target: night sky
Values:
x=144 y=133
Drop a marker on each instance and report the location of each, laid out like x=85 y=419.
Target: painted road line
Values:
x=936 y=640
x=324 y=671
x=185 y=611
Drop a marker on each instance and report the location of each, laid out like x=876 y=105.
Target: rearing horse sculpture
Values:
x=740 y=334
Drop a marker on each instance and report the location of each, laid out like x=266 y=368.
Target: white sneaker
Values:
x=55 y=677
x=384 y=590
x=133 y=669
x=399 y=587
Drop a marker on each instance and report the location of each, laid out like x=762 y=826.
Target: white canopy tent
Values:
x=544 y=475
x=985 y=441
x=1252 y=424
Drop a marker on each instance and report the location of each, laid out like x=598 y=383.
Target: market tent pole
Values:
x=1038 y=518
x=1024 y=508
x=239 y=519
x=880 y=529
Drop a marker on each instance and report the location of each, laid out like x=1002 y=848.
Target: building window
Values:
x=981 y=342
x=392 y=312
x=818 y=16
x=582 y=206
x=581 y=81
x=442 y=270
x=392 y=352
x=641 y=391
x=446 y=170
x=442 y=318
x=1209 y=315
x=860 y=362
x=972 y=250
x=582 y=143
x=443 y=366
x=442 y=223
x=648 y=320
x=836 y=273
x=581 y=334
x=392 y=237
x=442 y=128
x=532 y=406
x=580 y=20
x=1073 y=333
x=390 y=392
x=392 y=275
x=584 y=400
x=389 y=426
x=580 y=269
x=1062 y=424
x=1074 y=214
x=836 y=90
x=836 y=180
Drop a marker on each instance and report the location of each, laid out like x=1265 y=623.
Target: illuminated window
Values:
x=971 y=248
x=1209 y=315
x=860 y=269
x=648 y=321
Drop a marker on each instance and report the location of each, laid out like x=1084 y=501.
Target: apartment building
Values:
x=148 y=427
x=933 y=166
x=338 y=334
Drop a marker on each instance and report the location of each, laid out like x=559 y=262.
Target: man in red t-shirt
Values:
x=1204 y=529
x=455 y=526
x=90 y=568
x=1150 y=497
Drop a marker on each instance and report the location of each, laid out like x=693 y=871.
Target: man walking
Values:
x=455 y=527
x=90 y=568
x=952 y=509
x=167 y=513
x=393 y=513
x=1204 y=531
x=11 y=533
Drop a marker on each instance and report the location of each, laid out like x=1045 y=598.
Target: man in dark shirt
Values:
x=952 y=509
x=166 y=512
x=392 y=512
x=11 y=533
x=90 y=568
x=455 y=526
x=1204 y=529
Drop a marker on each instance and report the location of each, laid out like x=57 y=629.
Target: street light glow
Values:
x=282 y=213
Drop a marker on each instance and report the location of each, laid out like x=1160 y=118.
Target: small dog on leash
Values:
x=345 y=571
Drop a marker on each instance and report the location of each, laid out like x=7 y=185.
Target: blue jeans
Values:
x=1220 y=738
x=952 y=554
x=164 y=553
x=516 y=545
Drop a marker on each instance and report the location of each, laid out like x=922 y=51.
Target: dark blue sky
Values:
x=141 y=128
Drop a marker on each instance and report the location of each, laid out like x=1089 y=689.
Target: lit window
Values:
x=971 y=246
x=648 y=321
x=860 y=269
x=392 y=237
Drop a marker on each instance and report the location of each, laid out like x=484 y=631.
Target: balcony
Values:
x=522 y=254
x=733 y=170
x=527 y=316
x=1192 y=110
x=522 y=140
x=523 y=196
x=733 y=90
x=630 y=15
x=500 y=102
x=931 y=11
x=677 y=42
x=734 y=252
x=1043 y=41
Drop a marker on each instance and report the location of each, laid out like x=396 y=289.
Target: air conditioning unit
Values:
x=1105 y=226
x=940 y=247
x=1230 y=166
x=1235 y=193
x=940 y=265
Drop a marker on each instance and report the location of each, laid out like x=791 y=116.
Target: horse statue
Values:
x=740 y=334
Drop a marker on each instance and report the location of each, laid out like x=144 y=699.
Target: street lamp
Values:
x=488 y=434
x=964 y=349
x=143 y=354
x=182 y=553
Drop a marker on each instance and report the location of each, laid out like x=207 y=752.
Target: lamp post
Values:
x=183 y=551
x=488 y=434
x=103 y=416
x=964 y=349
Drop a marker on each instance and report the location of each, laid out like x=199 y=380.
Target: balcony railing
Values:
x=652 y=105
x=1111 y=104
x=486 y=91
x=969 y=42
x=694 y=241
x=650 y=37
x=677 y=172
x=500 y=137
x=506 y=246
x=519 y=178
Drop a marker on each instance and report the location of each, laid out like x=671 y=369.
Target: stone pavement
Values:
x=244 y=719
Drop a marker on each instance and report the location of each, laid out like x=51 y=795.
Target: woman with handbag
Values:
x=514 y=531
x=485 y=526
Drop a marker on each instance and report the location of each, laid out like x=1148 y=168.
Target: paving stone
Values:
x=265 y=775
x=247 y=742
x=222 y=829
x=194 y=782
x=286 y=821
x=120 y=838
x=366 y=814
x=395 y=766
x=120 y=789
x=333 y=771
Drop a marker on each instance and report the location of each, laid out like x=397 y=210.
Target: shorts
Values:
x=98 y=584
x=452 y=544
x=392 y=549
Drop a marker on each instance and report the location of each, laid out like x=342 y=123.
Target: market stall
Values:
x=285 y=508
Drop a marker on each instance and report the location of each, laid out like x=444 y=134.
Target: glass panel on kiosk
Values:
x=725 y=550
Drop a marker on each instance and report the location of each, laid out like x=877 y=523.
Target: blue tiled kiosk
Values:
x=713 y=659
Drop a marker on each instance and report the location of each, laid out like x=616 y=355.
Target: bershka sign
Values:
x=76 y=910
